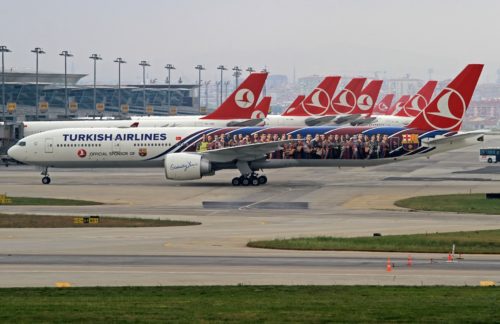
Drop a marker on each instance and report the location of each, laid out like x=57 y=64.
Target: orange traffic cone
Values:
x=410 y=261
x=450 y=257
x=389 y=266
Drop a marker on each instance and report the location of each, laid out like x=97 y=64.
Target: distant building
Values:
x=20 y=89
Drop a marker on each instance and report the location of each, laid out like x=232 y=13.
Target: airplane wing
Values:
x=246 y=123
x=317 y=121
x=249 y=152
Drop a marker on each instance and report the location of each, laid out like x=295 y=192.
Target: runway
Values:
x=340 y=202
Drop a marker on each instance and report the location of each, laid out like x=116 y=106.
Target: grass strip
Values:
x=45 y=221
x=470 y=242
x=251 y=304
x=459 y=203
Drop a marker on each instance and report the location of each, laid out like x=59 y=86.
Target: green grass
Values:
x=43 y=221
x=19 y=201
x=487 y=242
x=465 y=203
x=251 y=304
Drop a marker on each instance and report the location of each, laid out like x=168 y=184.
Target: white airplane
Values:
x=190 y=153
x=239 y=109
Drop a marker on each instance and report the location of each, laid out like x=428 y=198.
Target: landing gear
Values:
x=46 y=178
x=247 y=180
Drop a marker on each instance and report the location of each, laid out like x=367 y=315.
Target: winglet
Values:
x=447 y=110
x=241 y=104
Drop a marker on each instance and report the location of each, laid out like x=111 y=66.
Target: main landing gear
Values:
x=46 y=178
x=252 y=179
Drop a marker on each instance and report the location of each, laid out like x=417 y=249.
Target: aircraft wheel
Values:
x=262 y=180
x=254 y=181
x=490 y=160
x=245 y=182
x=45 y=180
x=236 y=181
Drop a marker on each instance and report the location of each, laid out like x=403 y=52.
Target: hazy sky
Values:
x=315 y=36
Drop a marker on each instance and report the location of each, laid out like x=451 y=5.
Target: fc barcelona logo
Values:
x=410 y=141
x=143 y=151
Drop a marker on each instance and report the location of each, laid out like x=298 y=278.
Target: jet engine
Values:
x=186 y=166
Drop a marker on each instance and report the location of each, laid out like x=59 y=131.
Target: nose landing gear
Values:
x=46 y=178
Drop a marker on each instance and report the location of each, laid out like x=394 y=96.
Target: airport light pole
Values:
x=221 y=68
x=226 y=84
x=144 y=64
x=4 y=50
x=250 y=69
x=264 y=70
x=120 y=61
x=66 y=54
x=95 y=57
x=37 y=51
x=218 y=86
x=236 y=74
x=199 y=67
x=206 y=84
x=169 y=67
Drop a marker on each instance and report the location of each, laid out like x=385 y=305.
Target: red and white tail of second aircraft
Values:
x=383 y=105
x=241 y=104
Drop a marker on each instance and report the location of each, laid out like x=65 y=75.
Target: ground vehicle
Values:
x=490 y=155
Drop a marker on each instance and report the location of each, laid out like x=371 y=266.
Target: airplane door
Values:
x=49 y=145
x=116 y=146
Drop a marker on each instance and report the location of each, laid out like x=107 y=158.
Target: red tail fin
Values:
x=317 y=102
x=398 y=105
x=368 y=97
x=447 y=110
x=242 y=102
x=345 y=101
x=419 y=101
x=263 y=108
x=293 y=105
x=383 y=105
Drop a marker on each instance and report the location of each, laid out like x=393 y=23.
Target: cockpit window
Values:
x=22 y=143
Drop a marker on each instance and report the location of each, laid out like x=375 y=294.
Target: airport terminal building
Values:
x=20 y=97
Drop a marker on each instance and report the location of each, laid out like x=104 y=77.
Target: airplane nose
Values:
x=13 y=152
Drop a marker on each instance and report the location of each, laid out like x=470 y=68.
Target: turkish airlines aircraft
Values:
x=191 y=153
x=383 y=105
x=405 y=109
x=239 y=109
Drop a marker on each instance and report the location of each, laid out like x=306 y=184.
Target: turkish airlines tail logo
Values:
x=241 y=104
x=369 y=95
x=317 y=103
x=419 y=101
x=383 y=106
x=447 y=110
x=346 y=100
x=293 y=106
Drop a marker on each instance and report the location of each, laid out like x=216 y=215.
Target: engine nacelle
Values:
x=186 y=166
